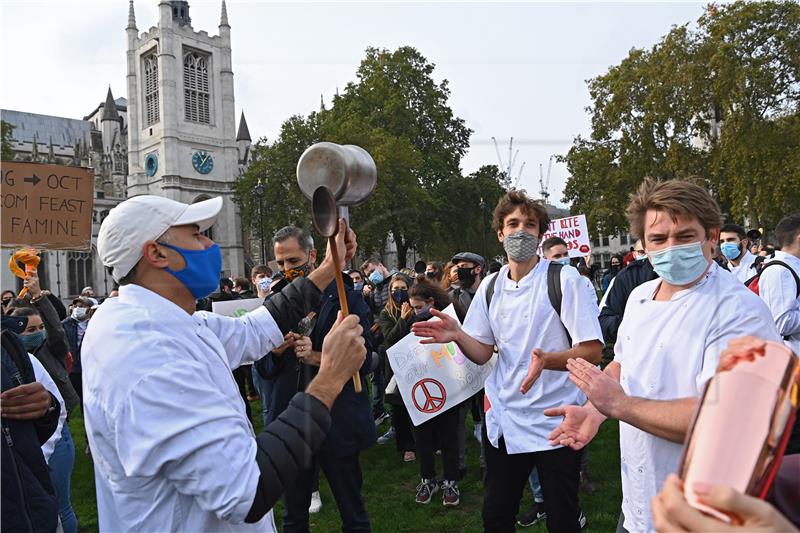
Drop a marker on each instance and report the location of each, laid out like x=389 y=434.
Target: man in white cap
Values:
x=172 y=447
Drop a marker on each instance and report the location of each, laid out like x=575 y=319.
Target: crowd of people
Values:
x=165 y=385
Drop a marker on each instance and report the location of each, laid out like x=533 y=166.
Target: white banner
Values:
x=236 y=308
x=575 y=233
x=432 y=378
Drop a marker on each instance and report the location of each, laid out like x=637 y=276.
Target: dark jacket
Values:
x=28 y=497
x=53 y=353
x=70 y=326
x=393 y=328
x=628 y=279
x=352 y=426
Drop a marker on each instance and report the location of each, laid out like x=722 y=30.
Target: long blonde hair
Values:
x=391 y=305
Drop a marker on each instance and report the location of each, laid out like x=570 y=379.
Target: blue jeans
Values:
x=536 y=487
x=61 y=463
x=264 y=388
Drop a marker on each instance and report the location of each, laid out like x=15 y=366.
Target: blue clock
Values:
x=151 y=164
x=202 y=162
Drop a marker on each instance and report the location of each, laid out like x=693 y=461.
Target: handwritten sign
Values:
x=236 y=308
x=432 y=378
x=47 y=206
x=575 y=233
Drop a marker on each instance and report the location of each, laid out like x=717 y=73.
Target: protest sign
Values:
x=432 y=378
x=47 y=206
x=236 y=308
x=575 y=233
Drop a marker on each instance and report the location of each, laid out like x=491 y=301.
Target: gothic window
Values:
x=151 y=113
x=79 y=271
x=196 y=93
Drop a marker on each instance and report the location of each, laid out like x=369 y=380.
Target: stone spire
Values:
x=131 y=17
x=223 y=18
x=110 y=108
x=244 y=132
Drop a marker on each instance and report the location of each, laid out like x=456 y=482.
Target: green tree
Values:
x=650 y=116
x=6 y=130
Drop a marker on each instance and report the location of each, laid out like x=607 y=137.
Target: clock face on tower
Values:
x=151 y=164
x=202 y=161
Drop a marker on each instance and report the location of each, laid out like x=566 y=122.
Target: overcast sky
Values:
x=515 y=69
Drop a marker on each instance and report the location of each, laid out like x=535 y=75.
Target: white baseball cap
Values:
x=145 y=218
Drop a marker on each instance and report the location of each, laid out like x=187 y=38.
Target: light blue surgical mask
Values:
x=376 y=277
x=358 y=286
x=680 y=265
x=564 y=261
x=34 y=340
x=731 y=250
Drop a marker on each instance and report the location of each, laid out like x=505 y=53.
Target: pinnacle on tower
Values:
x=110 y=108
x=223 y=19
x=244 y=132
x=131 y=17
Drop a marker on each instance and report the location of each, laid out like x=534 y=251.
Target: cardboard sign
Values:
x=236 y=308
x=432 y=378
x=575 y=233
x=47 y=206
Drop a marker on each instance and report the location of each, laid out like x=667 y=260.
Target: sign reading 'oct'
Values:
x=46 y=206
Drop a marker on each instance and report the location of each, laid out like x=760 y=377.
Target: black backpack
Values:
x=553 y=292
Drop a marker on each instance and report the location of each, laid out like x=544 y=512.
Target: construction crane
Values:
x=544 y=182
x=508 y=168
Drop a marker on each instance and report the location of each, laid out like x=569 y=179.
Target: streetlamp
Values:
x=259 y=190
x=482 y=205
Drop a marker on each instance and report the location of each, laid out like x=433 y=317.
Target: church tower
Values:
x=182 y=141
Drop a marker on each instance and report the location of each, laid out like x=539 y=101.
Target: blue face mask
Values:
x=34 y=340
x=202 y=270
x=376 y=277
x=358 y=286
x=424 y=313
x=680 y=265
x=730 y=250
x=564 y=261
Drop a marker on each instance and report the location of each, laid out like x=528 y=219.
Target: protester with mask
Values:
x=74 y=329
x=733 y=244
x=161 y=409
x=521 y=321
x=555 y=249
x=7 y=297
x=378 y=294
x=261 y=279
x=433 y=271
x=45 y=339
x=612 y=306
x=352 y=429
x=613 y=270
x=358 y=280
x=668 y=345
x=394 y=323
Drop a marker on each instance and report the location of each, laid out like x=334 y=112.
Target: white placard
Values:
x=236 y=308
x=432 y=378
x=575 y=233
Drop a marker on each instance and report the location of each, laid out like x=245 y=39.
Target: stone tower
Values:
x=181 y=119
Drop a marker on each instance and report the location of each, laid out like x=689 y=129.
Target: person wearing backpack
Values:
x=514 y=310
x=734 y=244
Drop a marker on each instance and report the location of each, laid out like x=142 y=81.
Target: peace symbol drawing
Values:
x=429 y=395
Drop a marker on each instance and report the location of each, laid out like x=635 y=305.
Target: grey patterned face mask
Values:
x=521 y=246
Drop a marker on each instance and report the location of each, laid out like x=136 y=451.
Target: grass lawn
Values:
x=389 y=485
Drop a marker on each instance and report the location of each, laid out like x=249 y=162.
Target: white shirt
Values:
x=669 y=350
x=47 y=382
x=521 y=319
x=172 y=447
x=591 y=291
x=745 y=270
x=778 y=289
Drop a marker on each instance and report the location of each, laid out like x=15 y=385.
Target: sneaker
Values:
x=380 y=418
x=534 y=516
x=409 y=456
x=451 y=496
x=477 y=431
x=316 y=503
x=582 y=520
x=586 y=484
x=386 y=437
x=425 y=490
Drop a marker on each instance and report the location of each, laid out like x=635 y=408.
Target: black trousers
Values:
x=240 y=375
x=404 y=432
x=507 y=475
x=345 y=479
x=440 y=432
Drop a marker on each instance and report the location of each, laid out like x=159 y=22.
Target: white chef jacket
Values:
x=172 y=447
x=521 y=319
x=41 y=375
x=669 y=350
x=778 y=289
x=745 y=270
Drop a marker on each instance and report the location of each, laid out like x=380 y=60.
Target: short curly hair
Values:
x=513 y=200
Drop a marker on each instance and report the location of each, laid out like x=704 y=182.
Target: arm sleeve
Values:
x=56 y=337
x=578 y=312
x=293 y=303
x=392 y=330
x=778 y=289
x=360 y=308
x=285 y=447
x=245 y=339
x=613 y=309
x=44 y=378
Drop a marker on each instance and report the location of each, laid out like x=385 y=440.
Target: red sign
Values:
x=429 y=395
